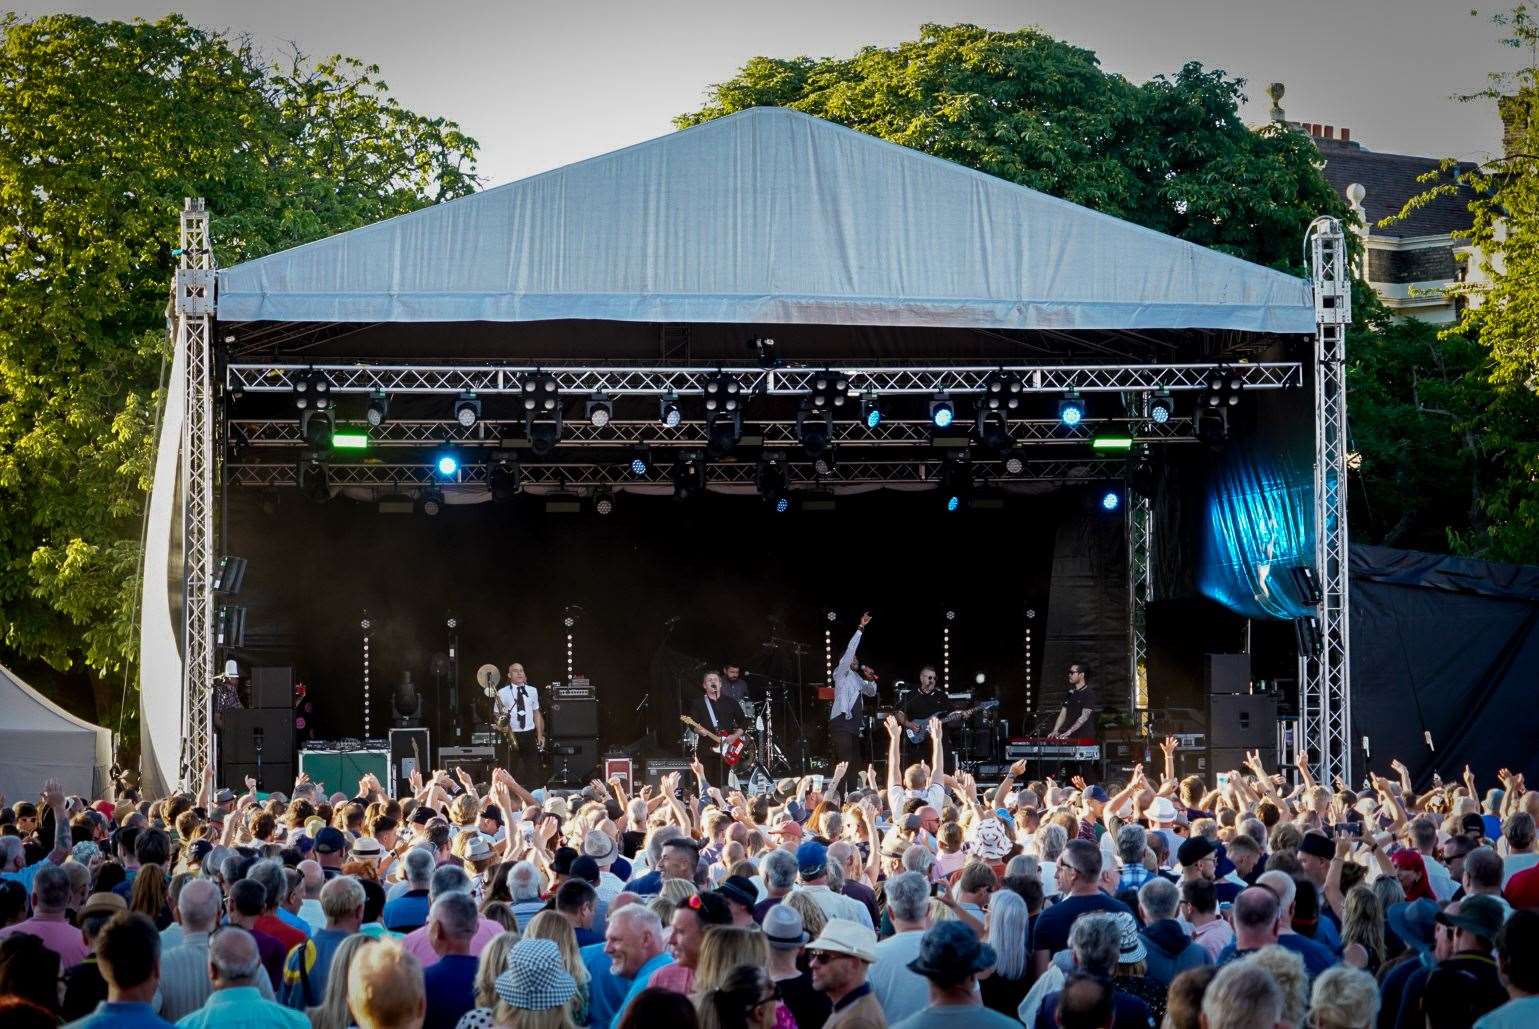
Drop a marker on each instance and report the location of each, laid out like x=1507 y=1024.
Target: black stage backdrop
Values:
x=733 y=574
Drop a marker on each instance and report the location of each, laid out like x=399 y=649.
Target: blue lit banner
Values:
x=1259 y=528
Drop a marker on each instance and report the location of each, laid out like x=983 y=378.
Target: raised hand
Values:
x=1399 y=767
x=696 y=767
x=416 y=780
x=250 y=784
x=840 y=769
x=464 y=778
x=865 y=619
x=1079 y=783
x=893 y=728
x=53 y=793
x=1018 y=769
x=935 y=726
x=1137 y=776
x=1169 y=745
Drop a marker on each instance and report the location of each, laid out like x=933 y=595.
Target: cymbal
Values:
x=488 y=676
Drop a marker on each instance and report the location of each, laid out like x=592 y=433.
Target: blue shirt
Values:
x=121 y=1015
x=646 y=886
x=408 y=911
x=450 y=983
x=288 y=917
x=240 y=1007
x=609 y=993
x=26 y=875
x=1515 y=1014
x=1316 y=958
x=309 y=963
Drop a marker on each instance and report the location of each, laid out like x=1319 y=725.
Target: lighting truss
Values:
x=578 y=474
x=634 y=381
x=774 y=432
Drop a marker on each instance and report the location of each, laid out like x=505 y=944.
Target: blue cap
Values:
x=811 y=859
x=330 y=841
x=1004 y=816
x=1097 y=793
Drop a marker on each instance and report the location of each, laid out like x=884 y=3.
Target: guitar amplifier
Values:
x=659 y=767
x=578 y=689
x=478 y=761
x=573 y=718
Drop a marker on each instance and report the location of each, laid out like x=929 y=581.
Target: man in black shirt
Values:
x=1076 y=719
x=915 y=715
x=718 y=715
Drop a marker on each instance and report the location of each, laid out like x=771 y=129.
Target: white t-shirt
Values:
x=1512 y=864
x=901 y=992
x=507 y=700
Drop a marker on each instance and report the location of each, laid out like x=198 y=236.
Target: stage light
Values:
x=378 y=409
x=604 y=504
x=317 y=427
x=764 y=349
x=942 y=410
x=1071 y=409
x=1161 y=406
x=830 y=389
x=503 y=481
x=814 y=428
x=467 y=409
x=668 y=411
x=430 y=500
x=723 y=393
x=870 y=410
x=1111 y=441
x=1111 y=500
x=773 y=482
x=350 y=439
x=956 y=484
x=312 y=391
x=599 y=409
x=688 y=474
x=723 y=431
x=447 y=464
x=826 y=464
x=1001 y=391
x=1014 y=465
x=543 y=435
x=641 y=462
x=1213 y=424
x=314 y=478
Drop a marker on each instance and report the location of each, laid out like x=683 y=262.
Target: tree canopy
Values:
x=104 y=127
x=1171 y=153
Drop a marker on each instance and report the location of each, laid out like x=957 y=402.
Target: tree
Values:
x=104 y=128
x=1171 y=154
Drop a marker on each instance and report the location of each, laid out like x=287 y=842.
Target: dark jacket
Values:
x=1171 y=951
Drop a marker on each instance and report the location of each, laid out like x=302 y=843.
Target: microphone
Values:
x=1366 y=752
x=1426 y=734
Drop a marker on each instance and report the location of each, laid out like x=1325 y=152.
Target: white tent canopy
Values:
x=767 y=216
x=40 y=740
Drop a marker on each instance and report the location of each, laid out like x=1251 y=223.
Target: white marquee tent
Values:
x=40 y=740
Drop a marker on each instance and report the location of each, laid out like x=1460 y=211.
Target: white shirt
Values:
x=1512 y=864
x=507 y=701
x=901 y=992
x=898 y=795
x=837 y=905
x=849 y=685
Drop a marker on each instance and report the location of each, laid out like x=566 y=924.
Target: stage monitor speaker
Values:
x=573 y=718
x=1232 y=759
x=1226 y=673
x=1242 y=720
x=409 y=750
x=573 y=762
x=340 y=770
x=270 y=775
x=272 y=687
x=660 y=767
x=243 y=733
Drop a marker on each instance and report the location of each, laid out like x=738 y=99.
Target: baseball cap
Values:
x=949 y=951
x=199 y=850
x=419 y=816
x=1523 y=888
x=811 y=859
x=1097 y=793
x=330 y=841
x=1473 y=823
x=787 y=827
x=1479 y=914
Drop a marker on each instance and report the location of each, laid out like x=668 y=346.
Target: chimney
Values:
x=1330 y=132
x=1346 y=134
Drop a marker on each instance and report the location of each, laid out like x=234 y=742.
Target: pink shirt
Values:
x=418 y=945
x=1213 y=936
x=674 y=977
x=57 y=935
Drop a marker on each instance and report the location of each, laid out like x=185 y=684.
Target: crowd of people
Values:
x=921 y=900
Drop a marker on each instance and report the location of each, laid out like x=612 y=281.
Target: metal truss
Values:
x=1325 y=679
x=192 y=324
x=1140 y=526
x=772 y=432
x=621 y=381
x=577 y=475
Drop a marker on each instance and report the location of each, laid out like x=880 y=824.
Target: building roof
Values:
x=766 y=216
x=1389 y=180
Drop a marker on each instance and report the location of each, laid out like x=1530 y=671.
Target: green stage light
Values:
x=1112 y=443
x=350 y=439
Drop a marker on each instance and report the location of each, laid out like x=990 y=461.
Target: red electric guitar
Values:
x=731 y=750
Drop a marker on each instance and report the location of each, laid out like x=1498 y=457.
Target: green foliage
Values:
x=1171 y=154
x=106 y=126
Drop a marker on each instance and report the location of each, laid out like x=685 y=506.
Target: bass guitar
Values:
x=731 y=750
x=918 y=735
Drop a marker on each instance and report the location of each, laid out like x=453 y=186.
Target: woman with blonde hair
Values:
x=331 y=1012
x=492 y=963
x=548 y=925
x=724 y=948
x=1362 y=923
x=813 y=918
x=677 y=891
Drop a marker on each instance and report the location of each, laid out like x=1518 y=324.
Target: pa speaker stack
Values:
x=1238 y=720
x=573 y=747
x=259 y=741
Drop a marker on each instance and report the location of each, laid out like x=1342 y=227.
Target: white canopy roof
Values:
x=767 y=216
x=40 y=740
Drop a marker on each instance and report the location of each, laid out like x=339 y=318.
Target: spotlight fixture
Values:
x=830 y=389
x=543 y=435
x=541 y=392
x=312 y=391
x=467 y=409
x=723 y=393
x=994 y=430
x=688 y=474
x=772 y=481
x=378 y=409
x=814 y=428
x=447 y=463
x=314 y=478
x=1111 y=500
x=826 y=464
x=723 y=429
x=668 y=411
x=503 y=481
x=956 y=483
x=870 y=410
x=1001 y=391
x=640 y=462
x=1213 y=424
x=599 y=409
x=764 y=349
x=1224 y=385
x=830 y=615
x=1071 y=409
x=317 y=427
x=1161 y=406
x=604 y=504
x=942 y=411
x=430 y=500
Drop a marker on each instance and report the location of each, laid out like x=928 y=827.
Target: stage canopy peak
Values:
x=769 y=216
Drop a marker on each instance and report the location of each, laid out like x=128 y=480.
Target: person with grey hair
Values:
x=899 y=990
x=307 y=967
x=633 y=950
x=1079 y=879
x=184 y=974
x=451 y=981
x=1170 y=950
x=409 y=910
x=237 y=997
x=1483 y=876
x=310 y=909
x=50 y=916
x=448 y=879
x=1344 y=998
x=1051 y=839
x=1242 y=996
x=525 y=884
x=779 y=870
x=1132 y=841
x=1095 y=944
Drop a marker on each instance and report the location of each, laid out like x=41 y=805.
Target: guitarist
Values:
x=718 y=714
x=916 y=712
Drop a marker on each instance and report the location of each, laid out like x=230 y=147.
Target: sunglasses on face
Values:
x=823 y=956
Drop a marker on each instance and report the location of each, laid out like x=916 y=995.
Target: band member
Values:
x=1078 y=711
x=915 y=714
x=518 y=712
x=719 y=715
x=733 y=686
x=852 y=681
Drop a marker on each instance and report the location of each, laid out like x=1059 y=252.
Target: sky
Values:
x=540 y=85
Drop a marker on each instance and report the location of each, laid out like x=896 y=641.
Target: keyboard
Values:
x=1040 y=748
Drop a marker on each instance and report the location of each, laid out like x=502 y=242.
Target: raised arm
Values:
x=1168 y=747
x=1002 y=791
x=894 y=771
x=53 y=796
x=937 y=748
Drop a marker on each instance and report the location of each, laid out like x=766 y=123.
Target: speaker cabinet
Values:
x=244 y=733
x=1232 y=759
x=577 y=718
x=269 y=775
x=272 y=688
x=573 y=762
x=1242 y=720
x=1226 y=673
x=409 y=750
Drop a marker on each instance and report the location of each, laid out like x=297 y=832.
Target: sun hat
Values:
x=782 y=926
x=990 y=840
x=368 y=847
x=102 y=903
x=1479 y=914
x=597 y=845
x=1162 y=810
x=1130 y=948
x=842 y=936
x=895 y=846
x=1413 y=922
x=476 y=848
x=536 y=978
x=949 y=951
x=313 y=825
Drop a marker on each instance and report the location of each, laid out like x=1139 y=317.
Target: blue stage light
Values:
x=448 y=465
x=1111 y=500
x=638 y=466
x=1071 y=409
x=870 y=410
x=953 y=502
x=782 y=505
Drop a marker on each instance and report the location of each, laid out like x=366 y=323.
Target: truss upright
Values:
x=1140 y=526
x=1325 y=678
x=193 y=327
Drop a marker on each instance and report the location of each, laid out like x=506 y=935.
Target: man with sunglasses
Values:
x=840 y=958
x=1078 y=711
